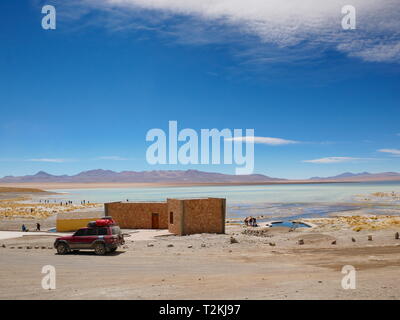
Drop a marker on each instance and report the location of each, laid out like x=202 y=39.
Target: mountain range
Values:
x=159 y=176
x=362 y=176
x=183 y=176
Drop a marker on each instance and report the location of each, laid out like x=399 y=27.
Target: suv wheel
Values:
x=62 y=248
x=100 y=249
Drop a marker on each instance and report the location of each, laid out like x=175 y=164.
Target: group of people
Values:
x=67 y=202
x=25 y=229
x=46 y=201
x=250 y=221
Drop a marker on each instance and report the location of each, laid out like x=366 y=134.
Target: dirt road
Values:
x=206 y=267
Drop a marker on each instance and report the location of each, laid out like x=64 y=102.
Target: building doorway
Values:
x=155 y=221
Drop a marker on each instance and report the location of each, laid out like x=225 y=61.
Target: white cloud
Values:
x=332 y=160
x=395 y=152
x=114 y=158
x=263 y=140
x=308 y=24
x=53 y=160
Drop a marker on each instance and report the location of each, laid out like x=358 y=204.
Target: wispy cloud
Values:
x=332 y=160
x=263 y=140
x=53 y=160
x=113 y=158
x=395 y=152
x=301 y=25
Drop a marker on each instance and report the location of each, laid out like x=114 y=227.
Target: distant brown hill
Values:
x=186 y=176
x=362 y=176
x=160 y=176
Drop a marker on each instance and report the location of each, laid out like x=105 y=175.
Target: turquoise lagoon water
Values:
x=289 y=224
x=284 y=201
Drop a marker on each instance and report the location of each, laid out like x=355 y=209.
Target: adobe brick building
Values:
x=189 y=216
x=138 y=215
x=179 y=216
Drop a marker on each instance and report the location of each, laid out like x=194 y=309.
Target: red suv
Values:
x=102 y=236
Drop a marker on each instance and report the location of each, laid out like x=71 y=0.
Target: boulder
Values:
x=233 y=240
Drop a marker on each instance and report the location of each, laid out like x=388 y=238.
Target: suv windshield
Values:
x=116 y=230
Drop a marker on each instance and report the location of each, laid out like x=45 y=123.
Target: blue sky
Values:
x=83 y=96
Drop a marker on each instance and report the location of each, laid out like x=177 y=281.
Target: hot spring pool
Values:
x=289 y=224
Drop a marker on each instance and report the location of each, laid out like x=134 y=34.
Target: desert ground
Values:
x=209 y=266
x=245 y=263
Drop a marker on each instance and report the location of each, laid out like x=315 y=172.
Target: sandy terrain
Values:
x=207 y=266
x=263 y=263
x=21 y=193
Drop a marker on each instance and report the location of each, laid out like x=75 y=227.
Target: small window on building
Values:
x=171 y=218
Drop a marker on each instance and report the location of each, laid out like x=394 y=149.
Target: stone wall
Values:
x=203 y=216
x=137 y=215
x=179 y=216
x=175 y=208
x=72 y=221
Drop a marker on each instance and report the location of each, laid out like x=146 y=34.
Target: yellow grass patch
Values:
x=15 y=208
x=11 y=189
x=358 y=223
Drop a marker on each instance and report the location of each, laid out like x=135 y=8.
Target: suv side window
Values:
x=91 y=232
x=80 y=232
x=102 y=231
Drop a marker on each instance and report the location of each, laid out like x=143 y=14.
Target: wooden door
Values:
x=155 y=221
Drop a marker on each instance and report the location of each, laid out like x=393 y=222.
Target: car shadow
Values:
x=92 y=253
